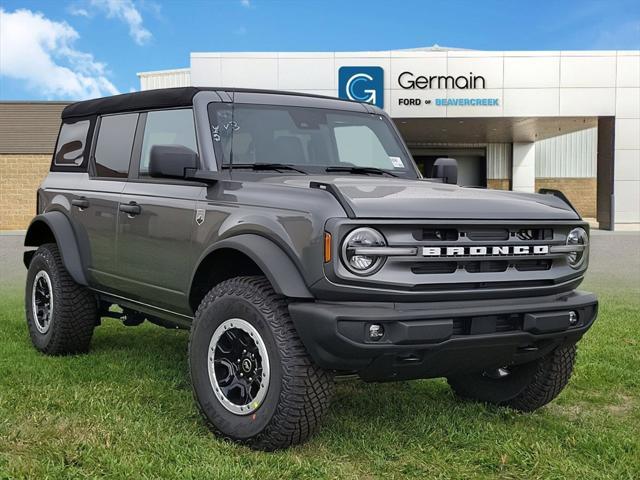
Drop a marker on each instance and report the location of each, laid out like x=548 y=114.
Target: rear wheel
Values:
x=61 y=314
x=252 y=378
x=525 y=387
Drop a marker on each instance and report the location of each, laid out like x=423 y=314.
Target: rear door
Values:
x=94 y=204
x=155 y=255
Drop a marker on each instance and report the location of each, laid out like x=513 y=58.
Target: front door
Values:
x=157 y=218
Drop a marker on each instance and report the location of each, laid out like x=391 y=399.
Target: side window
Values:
x=114 y=144
x=167 y=127
x=71 y=144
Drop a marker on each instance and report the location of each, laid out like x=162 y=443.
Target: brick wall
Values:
x=581 y=192
x=498 y=183
x=20 y=176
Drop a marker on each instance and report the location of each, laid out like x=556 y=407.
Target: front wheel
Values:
x=252 y=378
x=525 y=387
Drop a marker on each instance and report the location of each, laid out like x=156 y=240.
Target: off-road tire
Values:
x=528 y=386
x=75 y=311
x=299 y=391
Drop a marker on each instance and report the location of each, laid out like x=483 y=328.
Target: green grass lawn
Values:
x=125 y=411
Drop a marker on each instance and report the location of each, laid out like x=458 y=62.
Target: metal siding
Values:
x=568 y=156
x=165 y=79
x=29 y=127
x=499 y=160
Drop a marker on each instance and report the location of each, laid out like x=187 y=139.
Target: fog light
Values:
x=376 y=332
x=573 y=318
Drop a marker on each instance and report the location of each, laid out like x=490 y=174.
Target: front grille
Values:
x=435 y=267
x=459 y=257
x=535 y=234
x=481 y=266
x=486 y=266
x=439 y=287
x=533 y=265
x=487 y=234
x=436 y=234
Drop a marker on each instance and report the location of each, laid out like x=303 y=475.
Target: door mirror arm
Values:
x=205 y=176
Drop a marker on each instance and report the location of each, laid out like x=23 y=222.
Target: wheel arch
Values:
x=246 y=254
x=55 y=227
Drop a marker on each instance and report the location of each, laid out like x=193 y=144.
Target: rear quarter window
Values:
x=71 y=147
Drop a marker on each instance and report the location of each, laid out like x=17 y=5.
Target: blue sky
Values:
x=83 y=48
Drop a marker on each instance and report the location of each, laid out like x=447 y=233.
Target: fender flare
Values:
x=272 y=260
x=60 y=226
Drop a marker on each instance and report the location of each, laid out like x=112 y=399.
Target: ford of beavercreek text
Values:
x=297 y=241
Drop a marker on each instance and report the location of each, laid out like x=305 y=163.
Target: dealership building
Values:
x=568 y=120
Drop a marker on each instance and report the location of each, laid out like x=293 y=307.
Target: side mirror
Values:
x=445 y=169
x=171 y=161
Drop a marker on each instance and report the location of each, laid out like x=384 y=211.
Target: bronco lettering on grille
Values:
x=485 y=251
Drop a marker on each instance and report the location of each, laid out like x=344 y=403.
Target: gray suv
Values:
x=296 y=239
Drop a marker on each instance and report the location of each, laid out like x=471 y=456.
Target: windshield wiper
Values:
x=267 y=166
x=354 y=169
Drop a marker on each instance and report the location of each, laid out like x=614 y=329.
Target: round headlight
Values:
x=359 y=263
x=578 y=236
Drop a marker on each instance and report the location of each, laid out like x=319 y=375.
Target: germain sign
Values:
x=362 y=84
x=410 y=81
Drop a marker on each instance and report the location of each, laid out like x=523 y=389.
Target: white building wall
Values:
x=627 y=139
x=524 y=170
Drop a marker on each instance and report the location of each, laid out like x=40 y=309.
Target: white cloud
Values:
x=41 y=52
x=127 y=12
x=78 y=11
x=245 y=3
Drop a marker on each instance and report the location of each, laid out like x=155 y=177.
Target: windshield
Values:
x=311 y=139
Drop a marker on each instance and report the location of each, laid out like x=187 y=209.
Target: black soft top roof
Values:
x=160 y=98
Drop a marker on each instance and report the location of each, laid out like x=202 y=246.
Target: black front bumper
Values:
x=424 y=340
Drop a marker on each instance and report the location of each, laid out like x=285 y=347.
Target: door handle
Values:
x=81 y=203
x=131 y=208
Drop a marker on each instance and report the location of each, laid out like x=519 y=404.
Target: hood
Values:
x=386 y=197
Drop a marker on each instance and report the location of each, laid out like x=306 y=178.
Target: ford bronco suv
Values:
x=296 y=239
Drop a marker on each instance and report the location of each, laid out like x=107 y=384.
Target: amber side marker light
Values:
x=327 y=247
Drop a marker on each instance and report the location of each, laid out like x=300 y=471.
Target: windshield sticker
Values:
x=396 y=162
x=224 y=129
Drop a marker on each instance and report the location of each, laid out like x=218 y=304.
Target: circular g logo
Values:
x=356 y=88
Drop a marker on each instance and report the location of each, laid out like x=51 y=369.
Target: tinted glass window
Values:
x=114 y=144
x=167 y=127
x=71 y=143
